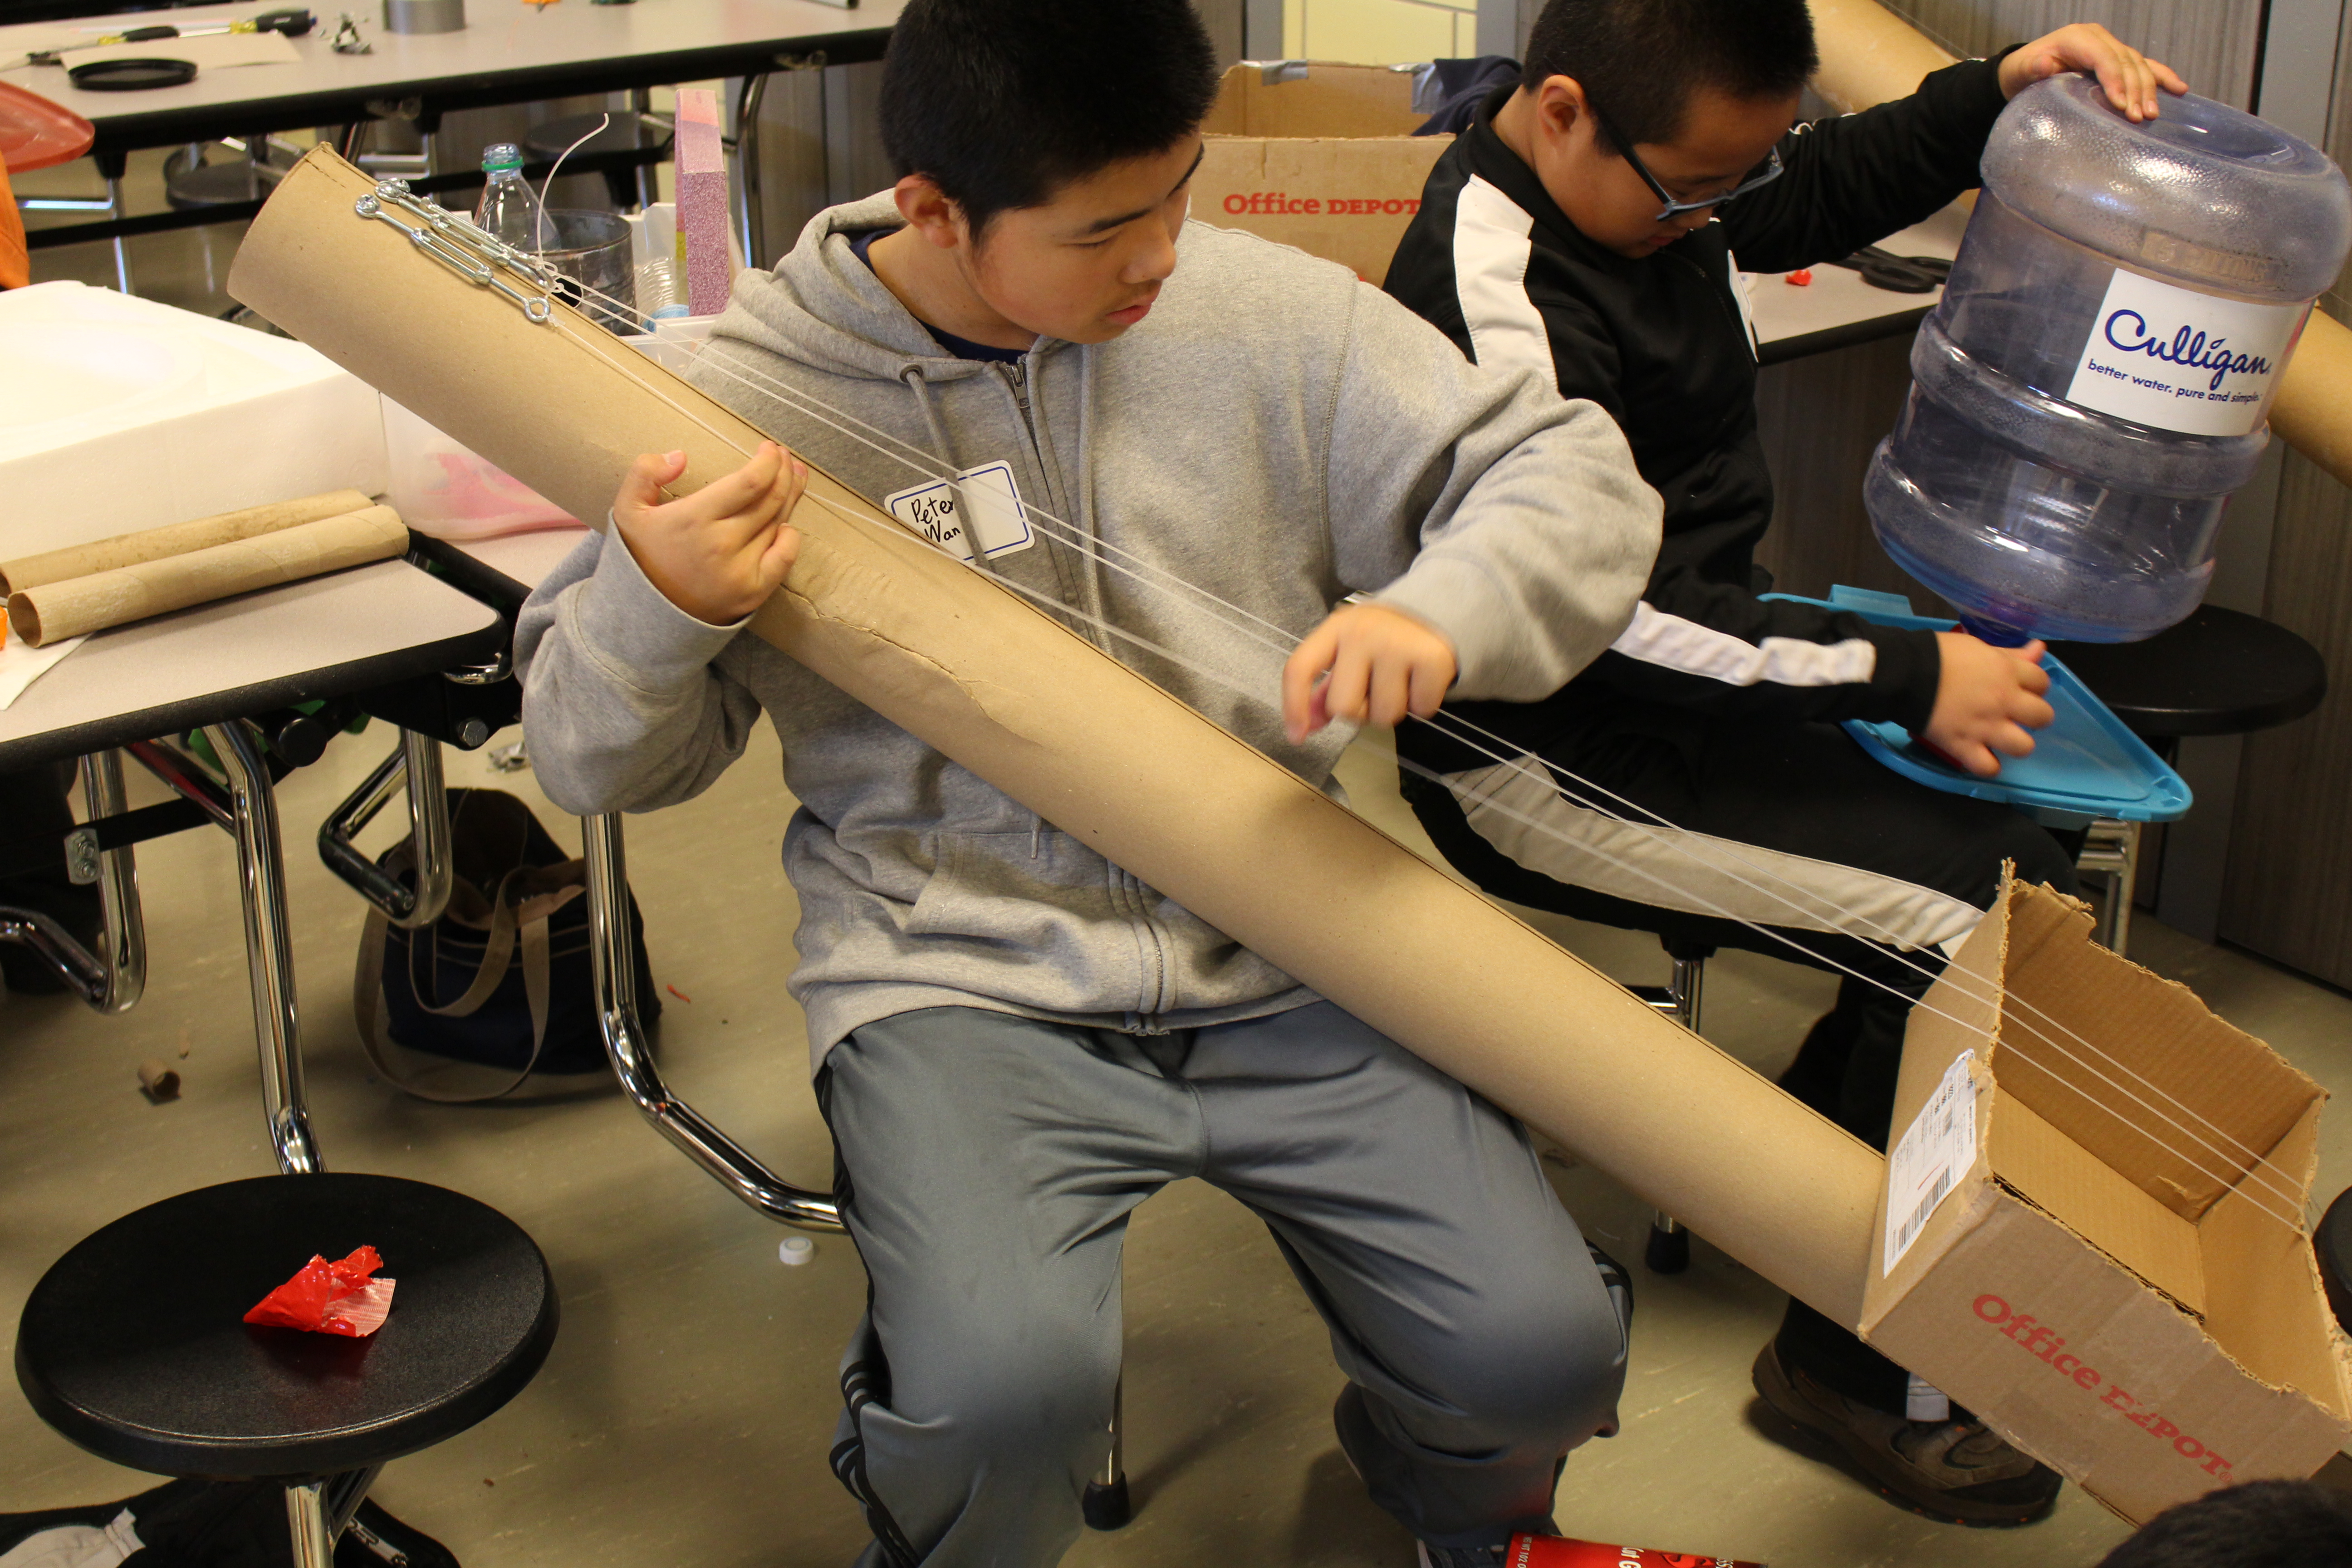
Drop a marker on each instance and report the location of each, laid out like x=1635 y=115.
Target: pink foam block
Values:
x=702 y=201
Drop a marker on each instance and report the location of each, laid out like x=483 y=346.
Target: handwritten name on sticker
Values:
x=2047 y=1345
x=981 y=504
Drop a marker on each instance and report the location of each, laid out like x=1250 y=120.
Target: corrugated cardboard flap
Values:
x=1324 y=98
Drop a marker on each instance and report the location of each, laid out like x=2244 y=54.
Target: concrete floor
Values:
x=687 y=1410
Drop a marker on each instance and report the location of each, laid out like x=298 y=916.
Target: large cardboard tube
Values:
x=1102 y=753
x=173 y=539
x=54 y=611
x=1869 y=55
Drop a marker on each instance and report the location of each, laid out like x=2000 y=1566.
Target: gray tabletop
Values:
x=507 y=52
x=330 y=635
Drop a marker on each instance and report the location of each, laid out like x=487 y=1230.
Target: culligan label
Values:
x=2178 y=360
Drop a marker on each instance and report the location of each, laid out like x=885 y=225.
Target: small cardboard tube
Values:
x=173 y=539
x=54 y=611
x=160 y=1081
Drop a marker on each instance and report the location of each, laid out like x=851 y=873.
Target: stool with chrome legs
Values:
x=134 y=1345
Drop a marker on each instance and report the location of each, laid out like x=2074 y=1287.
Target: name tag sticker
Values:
x=991 y=512
x=2177 y=360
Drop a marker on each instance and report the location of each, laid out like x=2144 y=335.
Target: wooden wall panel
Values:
x=2288 y=890
x=1820 y=418
x=2288 y=893
x=2212 y=43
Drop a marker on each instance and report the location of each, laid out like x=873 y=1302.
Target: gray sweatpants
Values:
x=987 y=1166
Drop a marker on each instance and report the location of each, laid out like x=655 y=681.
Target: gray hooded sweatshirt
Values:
x=1274 y=433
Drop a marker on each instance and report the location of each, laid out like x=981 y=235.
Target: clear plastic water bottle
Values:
x=2096 y=381
x=508 y=209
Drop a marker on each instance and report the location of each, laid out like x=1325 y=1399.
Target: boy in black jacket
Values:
x=1593 y=223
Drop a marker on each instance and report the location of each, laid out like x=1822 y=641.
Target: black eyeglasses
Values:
x=1764 y=174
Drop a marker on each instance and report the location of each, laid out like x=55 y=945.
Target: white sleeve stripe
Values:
x=1655 y=638
x=1490 y=281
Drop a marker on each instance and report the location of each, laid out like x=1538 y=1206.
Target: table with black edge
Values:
x=510 y=52
x=209 y=669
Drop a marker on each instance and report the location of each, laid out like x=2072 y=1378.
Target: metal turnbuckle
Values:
x=463 y=248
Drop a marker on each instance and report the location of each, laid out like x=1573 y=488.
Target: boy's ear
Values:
x=1559 y=104
x=929 y=211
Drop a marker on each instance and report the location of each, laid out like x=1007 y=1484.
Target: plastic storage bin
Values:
x=2095 y=380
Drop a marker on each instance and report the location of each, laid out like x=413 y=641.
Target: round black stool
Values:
x=2220 y=672
x=134 y=1343
x=2332 y=1242
x=627 y=132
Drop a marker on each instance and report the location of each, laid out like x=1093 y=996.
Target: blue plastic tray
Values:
x=2085 y=765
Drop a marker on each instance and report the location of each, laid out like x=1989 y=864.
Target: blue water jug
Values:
x=2096 y=381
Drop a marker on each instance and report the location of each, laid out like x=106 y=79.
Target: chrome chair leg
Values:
x=618 y=1020
x=1106 y=1503
x=2111 y=849
x=1683 y=998
x=416 y=764
x=268 y=946
x=306 y=1521
x=111 y=980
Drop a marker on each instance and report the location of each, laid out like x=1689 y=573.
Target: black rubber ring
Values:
x=131 y=75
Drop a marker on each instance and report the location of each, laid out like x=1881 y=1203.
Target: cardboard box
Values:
x=2091 y=1231
x=1320 y=157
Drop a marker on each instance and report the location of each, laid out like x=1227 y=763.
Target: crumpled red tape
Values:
x=331 y=1298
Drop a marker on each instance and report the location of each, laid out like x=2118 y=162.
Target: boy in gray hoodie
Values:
x=1016 y=1042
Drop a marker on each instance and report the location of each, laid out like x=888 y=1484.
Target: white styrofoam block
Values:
x=119 y=413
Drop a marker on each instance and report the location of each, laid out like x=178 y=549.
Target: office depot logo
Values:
x=2047 y=1345
x=1281 y=204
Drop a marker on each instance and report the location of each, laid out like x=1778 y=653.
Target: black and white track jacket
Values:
x=1664 y=345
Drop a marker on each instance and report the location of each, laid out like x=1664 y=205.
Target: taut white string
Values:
x=2261 y=1168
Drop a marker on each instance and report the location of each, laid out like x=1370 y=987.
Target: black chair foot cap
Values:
x=1107 y=1506
x=1668 y=1251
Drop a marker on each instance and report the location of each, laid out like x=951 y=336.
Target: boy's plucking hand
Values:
x=2130 y=77
x=720 y=553
x=1986 y=699
x=1382 y=665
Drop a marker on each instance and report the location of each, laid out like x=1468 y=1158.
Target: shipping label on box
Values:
x=2092 y=1234
x=1318 y=156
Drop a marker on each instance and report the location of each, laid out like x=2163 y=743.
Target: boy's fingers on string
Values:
x=1387 y=701
x=641 y=487
x=777 y=561
x=1346 y=693
x=1299 y=698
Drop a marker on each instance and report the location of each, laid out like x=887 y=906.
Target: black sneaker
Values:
x=1957 y=1472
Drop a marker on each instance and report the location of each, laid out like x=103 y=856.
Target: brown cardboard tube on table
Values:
x=1100 y=752
x=54 y=611
x=173 y=539
x=1869 y=55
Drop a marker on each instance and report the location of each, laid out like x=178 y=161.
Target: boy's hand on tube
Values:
x=2130 y=77
x=720 y=553
x=1382 y=664
x=1986 y=699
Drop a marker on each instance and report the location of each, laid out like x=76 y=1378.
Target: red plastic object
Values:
x=1801 y=277
x=36 y=133
x=1556 y=1552
x=326 y=1297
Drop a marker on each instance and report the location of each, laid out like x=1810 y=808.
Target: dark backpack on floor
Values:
x=502 y=979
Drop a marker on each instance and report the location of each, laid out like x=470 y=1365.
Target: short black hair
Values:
x=1639 y=60
x=1002 y=102
x=2261 y=1524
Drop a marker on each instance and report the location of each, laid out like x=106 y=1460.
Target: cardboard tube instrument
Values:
x=51 y=612
x=173 y=539
x=1869 y=55
x=1095 y=749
